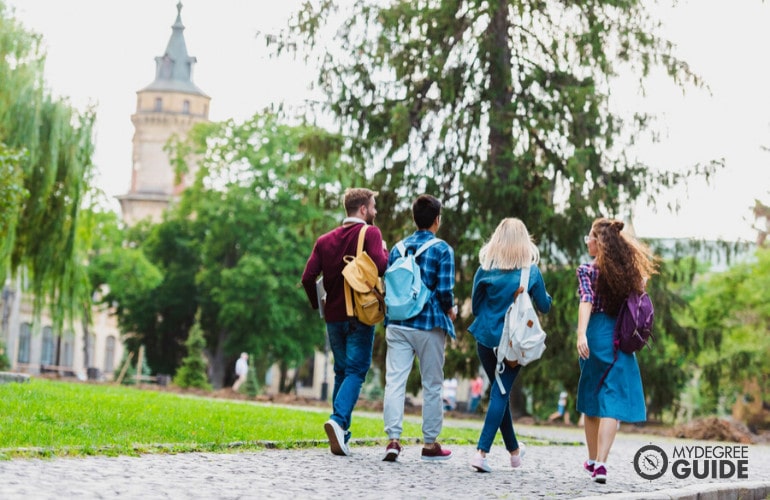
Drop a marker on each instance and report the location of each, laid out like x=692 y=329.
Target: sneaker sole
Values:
x=600 y=479
x=334 y=442
x=390 y=456
x=436 y=459
x=481 y=469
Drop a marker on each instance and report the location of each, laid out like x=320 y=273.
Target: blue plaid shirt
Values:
x=437 y=266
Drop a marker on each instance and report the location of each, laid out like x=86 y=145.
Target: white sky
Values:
x=102 y=52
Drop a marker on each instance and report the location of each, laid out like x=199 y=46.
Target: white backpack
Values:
x=523 y=339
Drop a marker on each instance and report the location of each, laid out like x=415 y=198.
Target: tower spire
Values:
x=173 y=70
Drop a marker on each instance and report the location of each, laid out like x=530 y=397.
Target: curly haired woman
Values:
x=607 y=396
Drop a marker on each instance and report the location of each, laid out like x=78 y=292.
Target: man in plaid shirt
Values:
x=423 y=335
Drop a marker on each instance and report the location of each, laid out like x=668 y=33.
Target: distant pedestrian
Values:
x=477 y=390
x=606 y=396
x=495 y=285
x=423 y=335
x=450 y=394
x=351 y=341
x=561 y=409
x=241 y=370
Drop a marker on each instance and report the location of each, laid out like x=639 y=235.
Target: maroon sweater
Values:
x=326 y=259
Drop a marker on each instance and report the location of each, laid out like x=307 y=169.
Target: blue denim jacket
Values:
x=492 y=294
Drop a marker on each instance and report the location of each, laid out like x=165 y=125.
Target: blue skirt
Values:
x=620 y=395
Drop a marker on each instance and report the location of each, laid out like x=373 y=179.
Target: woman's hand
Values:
x=584 y=314
x=582 y=346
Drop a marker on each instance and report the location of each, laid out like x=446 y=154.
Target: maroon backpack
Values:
x=633 y=327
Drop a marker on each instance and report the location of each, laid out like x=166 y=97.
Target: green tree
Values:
x=45 y=158
x=161 y=310
x=500 y=108
x=261 y=197
x=4 y=362
x=731 y=314
x=192 y=373
x=234 y=247
x=252 y=381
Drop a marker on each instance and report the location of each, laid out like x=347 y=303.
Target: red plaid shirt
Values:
x=587 y=275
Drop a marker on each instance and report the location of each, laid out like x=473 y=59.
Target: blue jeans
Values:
x=499 y=413
x=352 y=344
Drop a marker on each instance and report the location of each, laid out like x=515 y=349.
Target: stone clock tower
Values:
x=167 y=107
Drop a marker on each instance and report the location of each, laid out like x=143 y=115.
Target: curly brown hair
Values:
x=624 y=263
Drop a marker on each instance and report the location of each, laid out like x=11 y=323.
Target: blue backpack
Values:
x=405 y=293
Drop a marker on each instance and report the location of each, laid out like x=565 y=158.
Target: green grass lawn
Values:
x=51 y=418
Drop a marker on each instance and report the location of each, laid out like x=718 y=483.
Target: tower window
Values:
x=186 y=107
x=158 y=104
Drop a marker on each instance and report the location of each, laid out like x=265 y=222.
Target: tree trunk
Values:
x=219 y=370
x=86 y=339
x=501 y=93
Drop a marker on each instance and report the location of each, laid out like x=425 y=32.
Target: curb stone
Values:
x=756 y=490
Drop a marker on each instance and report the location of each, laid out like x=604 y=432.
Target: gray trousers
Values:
x=403 y=343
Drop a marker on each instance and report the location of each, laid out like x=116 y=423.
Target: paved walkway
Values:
x=552 y=470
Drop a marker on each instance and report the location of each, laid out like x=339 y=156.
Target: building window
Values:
x=158 y=104
x=47 y=353
x=186 y=107
x=91 y=350
x=109 y=355
x=68 y=349
x=25 y=336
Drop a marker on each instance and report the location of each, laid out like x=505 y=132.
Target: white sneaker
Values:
x=479 y=463
x=516 y=459
x=336 y=438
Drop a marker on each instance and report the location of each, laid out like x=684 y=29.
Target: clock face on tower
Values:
x=650 y=462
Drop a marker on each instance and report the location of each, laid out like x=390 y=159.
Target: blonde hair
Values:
x=510 y=247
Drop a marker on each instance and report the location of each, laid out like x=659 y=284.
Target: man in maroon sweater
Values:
x=351 y=342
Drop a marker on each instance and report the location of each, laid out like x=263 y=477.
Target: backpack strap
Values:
x=427 y=245
x=524 y=280
x=401 y=247
x=346 y=287
x=361 y=237
x=615 y=349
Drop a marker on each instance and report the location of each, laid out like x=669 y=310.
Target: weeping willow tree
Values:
x=46 y=172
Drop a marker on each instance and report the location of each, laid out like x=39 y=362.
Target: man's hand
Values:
x=452 y=313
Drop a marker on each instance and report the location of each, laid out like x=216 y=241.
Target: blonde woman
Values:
x=606 y=396
x=496 y=282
